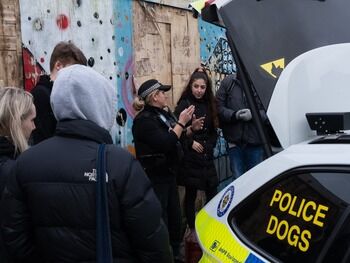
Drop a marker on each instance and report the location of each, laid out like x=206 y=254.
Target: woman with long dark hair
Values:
x=199 y=171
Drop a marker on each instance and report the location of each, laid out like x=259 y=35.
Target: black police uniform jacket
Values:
x=50 y=207
x=198 y=168
x=157 y=146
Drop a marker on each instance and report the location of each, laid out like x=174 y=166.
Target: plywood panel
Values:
x=153 y=54
x=10 y=44
x=175 y=3
x=8 y=11
x=9 y=72
x=8 y=30
x=181 y=38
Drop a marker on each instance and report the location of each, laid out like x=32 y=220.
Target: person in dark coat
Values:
x=17 y=113
x=199 y=171
x=63 y=54
x=157 y=143
x=51 y=211
x=245 y=145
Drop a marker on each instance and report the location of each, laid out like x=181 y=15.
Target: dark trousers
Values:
x=190 y=200
x=168 y=196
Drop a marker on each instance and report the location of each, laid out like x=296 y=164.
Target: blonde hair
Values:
x=139 y=103
x=15 y=105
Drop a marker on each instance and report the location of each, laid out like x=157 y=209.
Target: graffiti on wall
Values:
x=104 y=31
x=101 y=29
x=31 y=68
x=88 y=24
x=216 y=55
x=125 y=68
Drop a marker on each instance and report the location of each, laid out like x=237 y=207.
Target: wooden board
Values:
x=166 y=46
x=10 y=44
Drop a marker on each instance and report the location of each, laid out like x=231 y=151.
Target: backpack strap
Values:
x=104 y=252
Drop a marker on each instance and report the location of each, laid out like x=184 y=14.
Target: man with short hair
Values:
x=64 y=54
x=245 y=145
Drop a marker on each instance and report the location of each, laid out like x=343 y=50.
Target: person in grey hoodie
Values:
x=51 y=204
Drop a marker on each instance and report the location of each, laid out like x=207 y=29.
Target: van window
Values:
x=297 y=217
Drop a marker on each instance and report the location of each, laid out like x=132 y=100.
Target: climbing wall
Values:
x=89 y=24
x=127 y=41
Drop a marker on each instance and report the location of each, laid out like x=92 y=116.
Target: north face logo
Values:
x=92 y=175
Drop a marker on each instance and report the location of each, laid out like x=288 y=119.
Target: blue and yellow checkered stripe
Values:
x=219 y=244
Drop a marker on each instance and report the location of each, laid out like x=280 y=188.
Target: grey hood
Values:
x=80 y=92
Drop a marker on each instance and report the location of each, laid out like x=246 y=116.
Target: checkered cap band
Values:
x=150 y=90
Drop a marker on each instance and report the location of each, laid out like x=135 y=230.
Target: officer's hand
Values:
x=244 y=115
x=197 y=147
x=186 y=115
x=197 y=123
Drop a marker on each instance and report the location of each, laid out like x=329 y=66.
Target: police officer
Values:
x=156 y=136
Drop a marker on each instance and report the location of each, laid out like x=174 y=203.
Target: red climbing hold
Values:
x=62 y=22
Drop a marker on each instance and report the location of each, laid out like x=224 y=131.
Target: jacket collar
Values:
x=7 y=148
x=152 y=108
x=83 y=129
x=45 y=80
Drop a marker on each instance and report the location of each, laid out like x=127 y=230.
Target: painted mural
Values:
x=101 y=29
x=216 y=55
x=124 y=70
x=104 y=32
x=89 y=24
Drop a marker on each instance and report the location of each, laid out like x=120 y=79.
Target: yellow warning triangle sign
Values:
x=274 y=68
x=198 y=5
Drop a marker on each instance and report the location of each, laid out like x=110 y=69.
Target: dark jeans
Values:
x=243 y=158
x=168 y=196
x=190 y=199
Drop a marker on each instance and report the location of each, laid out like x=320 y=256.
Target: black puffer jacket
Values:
x=51 y=205
x=7 y=163
x=199 y=169
x=45 y=121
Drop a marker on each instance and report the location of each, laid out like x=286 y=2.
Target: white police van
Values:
x=294 y=206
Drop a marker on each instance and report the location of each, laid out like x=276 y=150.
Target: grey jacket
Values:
x=230 y=99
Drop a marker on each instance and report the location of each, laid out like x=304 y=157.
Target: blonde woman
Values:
x=157 y=143
x=17 y=113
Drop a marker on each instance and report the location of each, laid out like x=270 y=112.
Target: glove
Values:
x=244 y=115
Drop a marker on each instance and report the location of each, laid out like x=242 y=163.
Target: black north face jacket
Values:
x=50 y=205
